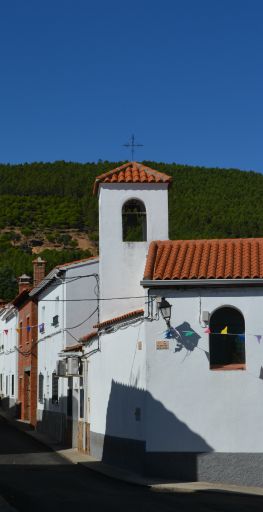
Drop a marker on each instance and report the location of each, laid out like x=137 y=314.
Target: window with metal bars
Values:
x=41 y=388
x=54 y=388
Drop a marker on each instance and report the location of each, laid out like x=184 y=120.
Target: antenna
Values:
x=131 y=144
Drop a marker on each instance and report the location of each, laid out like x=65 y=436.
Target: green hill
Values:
x=47 y=200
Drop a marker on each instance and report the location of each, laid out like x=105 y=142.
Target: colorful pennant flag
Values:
x=28 y=328
x=261 y=373
x=258 y=336
x=241 y=337
x=207 y=354
x=18 y=330
x=6 y=331
x=207 y=330
x=224 y=331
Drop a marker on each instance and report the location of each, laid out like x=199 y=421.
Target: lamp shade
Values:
x=165 y=309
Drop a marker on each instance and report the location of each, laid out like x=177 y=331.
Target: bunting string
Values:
x=171 y=333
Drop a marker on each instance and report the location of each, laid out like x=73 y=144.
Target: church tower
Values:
x=133 y=211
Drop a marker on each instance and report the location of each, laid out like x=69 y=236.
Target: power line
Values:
x=96 y=299
x=66 y=279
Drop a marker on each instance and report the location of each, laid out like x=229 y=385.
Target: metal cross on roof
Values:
x=131 y=144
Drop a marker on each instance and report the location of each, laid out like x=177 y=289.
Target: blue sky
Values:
x=78 y=77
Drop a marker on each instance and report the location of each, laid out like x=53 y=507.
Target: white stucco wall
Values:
x=185 y=406
x=81 y=283
x=122 y=263
x=198 y=409
x=71 y=312
x=116 y=383
x=8 y=352
x=51 y=341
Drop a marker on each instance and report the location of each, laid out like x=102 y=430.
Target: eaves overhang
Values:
x=167 y=283
x=47 y=281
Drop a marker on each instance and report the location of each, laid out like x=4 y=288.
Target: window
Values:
x=41 y=388
x=1 y=382
x=12 y=385
x=227 y=351
x=27 y=329
x=54 y=388
x=20 y=333
x=134 y=227
x=43 y=319
x=6 y=385
x=47 y=389
x=55 y=321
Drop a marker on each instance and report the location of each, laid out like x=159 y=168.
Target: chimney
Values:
x=39 y=271
x=23 y=283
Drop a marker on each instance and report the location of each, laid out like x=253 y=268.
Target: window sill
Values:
x=228 y=367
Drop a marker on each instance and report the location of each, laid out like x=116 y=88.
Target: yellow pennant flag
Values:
x=18 y=330
x=224 y=331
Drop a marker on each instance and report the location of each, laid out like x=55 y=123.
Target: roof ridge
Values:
x=134 y=169
x=116 y=319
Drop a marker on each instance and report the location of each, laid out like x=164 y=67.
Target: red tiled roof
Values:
x=205 y=259
x=73 y=348
x=76 y=261
x=116 y=319
x=132 y=172
x=88 y=337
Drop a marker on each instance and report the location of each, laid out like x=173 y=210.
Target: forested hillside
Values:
x=46 y=200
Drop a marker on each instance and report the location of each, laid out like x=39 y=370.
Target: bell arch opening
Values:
x=134 y=222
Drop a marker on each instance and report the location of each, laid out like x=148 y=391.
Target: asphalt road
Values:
x=32 y=478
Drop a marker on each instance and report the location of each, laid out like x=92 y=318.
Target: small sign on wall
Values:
x=162 y=345
x=139 y=345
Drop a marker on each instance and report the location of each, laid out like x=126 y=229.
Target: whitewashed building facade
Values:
x=178 y=397
x=67 y=307
x=8 y=358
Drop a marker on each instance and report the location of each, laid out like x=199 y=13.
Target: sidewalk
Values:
x=156 y=485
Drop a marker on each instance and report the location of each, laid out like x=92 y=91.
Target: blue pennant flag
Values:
x=168 y=334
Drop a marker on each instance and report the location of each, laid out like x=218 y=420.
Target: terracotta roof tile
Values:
x=132 y=172
x=205 y=259
x=77 y=261
x=88 y=337
x=116 y=319
x=73 y=348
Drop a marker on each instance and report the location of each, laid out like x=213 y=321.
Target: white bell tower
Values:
x=133 y=211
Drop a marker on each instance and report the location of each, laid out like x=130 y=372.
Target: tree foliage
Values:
x=203 y=203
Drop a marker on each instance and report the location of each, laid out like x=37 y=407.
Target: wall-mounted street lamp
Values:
x=165 y=309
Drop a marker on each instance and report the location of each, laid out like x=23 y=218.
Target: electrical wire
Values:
x=86 y=319
x=65 y=278
x=96 y=299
